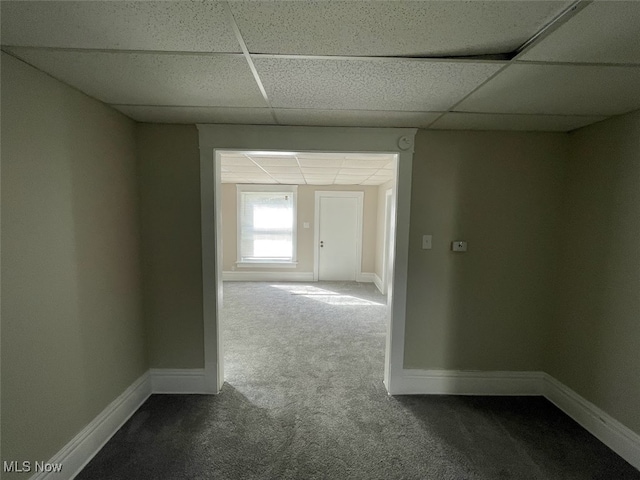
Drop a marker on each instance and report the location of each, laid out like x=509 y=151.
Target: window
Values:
x=267 y=224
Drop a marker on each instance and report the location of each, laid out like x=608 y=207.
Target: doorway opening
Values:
x=217 y=138
x=310 y=230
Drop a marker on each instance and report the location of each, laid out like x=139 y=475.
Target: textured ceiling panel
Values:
x=564 y=90
x=355 y=118
x=131 y=25
x=390 y=28
x=275 y=161
x=152 y=79
x=306 y=161
x=604 y=32
x=407 y=85
x=488 y=121
x=317 y=168
x=226 y=115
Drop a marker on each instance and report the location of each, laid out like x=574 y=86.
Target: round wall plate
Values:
x=404 y=143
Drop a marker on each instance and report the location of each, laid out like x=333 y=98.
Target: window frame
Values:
x=267 y=263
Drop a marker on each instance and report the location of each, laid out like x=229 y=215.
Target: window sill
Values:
x=246 y=264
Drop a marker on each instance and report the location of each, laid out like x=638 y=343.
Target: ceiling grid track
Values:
x=247 y=56
x=558 y=56
x=260 y=167
x=537 y=37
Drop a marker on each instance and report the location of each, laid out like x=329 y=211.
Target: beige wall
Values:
x=492 y=308
x=488 y=308
x=72 y=330
x=596 y=338
x=306 y=213
x=169 y=169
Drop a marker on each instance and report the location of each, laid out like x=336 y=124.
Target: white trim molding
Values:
x=215 y=139
x=378 y=282
x=600 y=424
x=87 y=443
x=466 y=382
x=366 y=277
x=235 y=276
x=177 y=380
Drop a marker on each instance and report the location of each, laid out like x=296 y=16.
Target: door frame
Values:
x=386 y=239
x=359 y=196
x=214 y=138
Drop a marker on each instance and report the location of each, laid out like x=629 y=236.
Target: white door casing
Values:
x=216 y=138
x=386 y=250
x=338 y=235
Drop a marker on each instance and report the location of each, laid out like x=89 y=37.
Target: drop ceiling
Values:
x=306 y=168
x=505 y=65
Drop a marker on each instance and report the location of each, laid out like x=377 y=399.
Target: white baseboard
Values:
x=601 y=425
x=365 y=277
x=378 y=282
x=626 y=443
x=83 y=447
x=236 y=276
x=166 y=380
x=466 y=382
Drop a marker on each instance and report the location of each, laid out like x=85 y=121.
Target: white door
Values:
x=339 y=236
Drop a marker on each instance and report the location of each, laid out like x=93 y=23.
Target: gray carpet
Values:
x=304 y=400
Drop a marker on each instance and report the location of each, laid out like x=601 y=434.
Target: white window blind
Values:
x=266 y=226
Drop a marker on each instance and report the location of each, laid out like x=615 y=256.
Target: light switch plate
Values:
x=426 y=242
x=459 y=246
x=305 y=225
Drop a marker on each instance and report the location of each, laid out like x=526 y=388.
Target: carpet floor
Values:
x=304 y=399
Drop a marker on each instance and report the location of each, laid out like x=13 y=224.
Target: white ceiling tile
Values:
x=380 y=178
x=275 y=161
x=244 y=169
x=364 y=163
x=319 y=182
x=261 y=180
x=349 y=180
x=320 y=170
x=387 y=157
x=152 y=79
x=319 y=162
x=290 y=179
x=233 y=179
x=290 y=170
x=390 y=28
x=489 y=121
x=190 y=115
x=357 y=171
x=233 y=160
x=556 y=89
x=320 y=178
x=122 y=25
x=603 y=32
x=408 y=85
